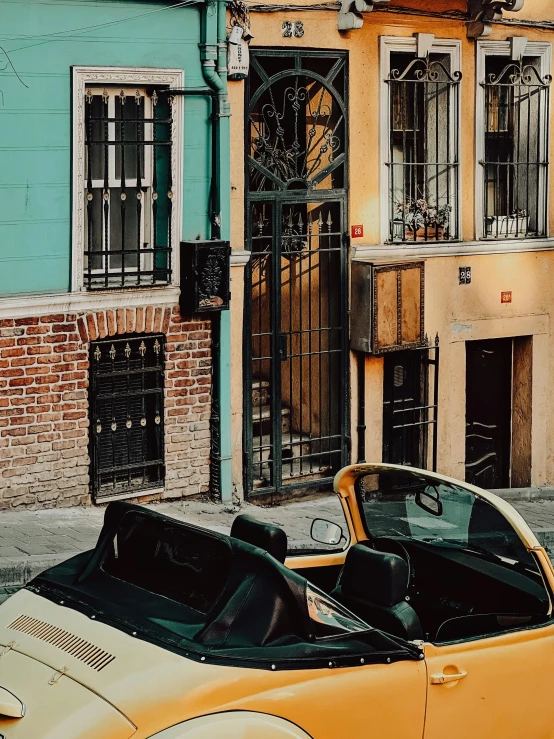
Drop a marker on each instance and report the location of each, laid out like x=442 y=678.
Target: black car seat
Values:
x=374 y=587
x=263 y=535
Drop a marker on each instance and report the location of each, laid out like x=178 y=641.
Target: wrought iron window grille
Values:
x=515 y=167
x=128 y=187
x=423 y=161
x=126 y=414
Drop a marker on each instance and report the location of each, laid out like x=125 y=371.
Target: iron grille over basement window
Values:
x=515 y=169
x=126 y=407
x=128 y=187
x=423 y=160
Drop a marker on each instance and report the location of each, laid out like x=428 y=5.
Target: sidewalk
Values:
x=31 y=541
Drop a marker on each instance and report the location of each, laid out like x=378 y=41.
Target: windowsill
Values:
x=21 y=306
x=451 y=248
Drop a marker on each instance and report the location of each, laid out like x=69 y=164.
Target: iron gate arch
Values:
x=295 y=339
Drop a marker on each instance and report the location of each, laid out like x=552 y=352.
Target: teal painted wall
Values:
x=35 y=123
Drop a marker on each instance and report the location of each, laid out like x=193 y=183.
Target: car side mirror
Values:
x=325 y=532
x=429 y=500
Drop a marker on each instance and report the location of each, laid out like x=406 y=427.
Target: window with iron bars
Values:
x=126 y=414
x=127 y=187
x=515 y=164
x=423 y=147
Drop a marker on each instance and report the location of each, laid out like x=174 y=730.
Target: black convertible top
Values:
x=204 y=595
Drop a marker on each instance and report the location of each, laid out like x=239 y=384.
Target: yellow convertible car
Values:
x=427 y=615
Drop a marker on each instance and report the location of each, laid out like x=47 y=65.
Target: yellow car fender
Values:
x=234 y=725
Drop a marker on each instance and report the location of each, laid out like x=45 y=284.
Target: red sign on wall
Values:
x=506 y=297
x=357 y=231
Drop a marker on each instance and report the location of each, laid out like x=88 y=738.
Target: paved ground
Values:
x=31 y=541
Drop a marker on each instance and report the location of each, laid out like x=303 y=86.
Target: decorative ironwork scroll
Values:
x=297 y=131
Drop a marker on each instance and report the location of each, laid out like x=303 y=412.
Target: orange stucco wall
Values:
x=457 y=313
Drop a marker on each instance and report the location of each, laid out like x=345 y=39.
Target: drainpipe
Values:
x=213 y=55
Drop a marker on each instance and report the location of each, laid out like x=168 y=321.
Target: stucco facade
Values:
x=457 y=313
x=69 y=212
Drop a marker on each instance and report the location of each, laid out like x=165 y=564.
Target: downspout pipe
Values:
x=213 y=56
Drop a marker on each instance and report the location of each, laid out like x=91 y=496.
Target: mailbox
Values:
x=387 y=306
x=205 y=271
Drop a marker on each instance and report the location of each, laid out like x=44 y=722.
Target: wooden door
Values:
x=488 y=412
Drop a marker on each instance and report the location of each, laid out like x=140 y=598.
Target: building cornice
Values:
x=483 y=13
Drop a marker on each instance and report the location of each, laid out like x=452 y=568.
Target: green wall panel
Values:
x=35 y=122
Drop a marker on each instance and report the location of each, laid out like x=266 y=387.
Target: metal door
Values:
x=296 y=378
x=488 y=412
x=410 y=407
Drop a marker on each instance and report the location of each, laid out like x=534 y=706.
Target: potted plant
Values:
x=417 y=219
x=514 y=224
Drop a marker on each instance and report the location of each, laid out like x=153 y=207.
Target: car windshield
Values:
x=419 y=507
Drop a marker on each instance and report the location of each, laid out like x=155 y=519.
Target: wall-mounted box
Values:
x=387 y=306
x=205 y=273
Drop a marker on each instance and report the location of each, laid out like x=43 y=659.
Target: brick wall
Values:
x=44 y=423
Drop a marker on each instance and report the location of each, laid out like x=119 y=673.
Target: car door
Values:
x=488 y=661
x=503 y=691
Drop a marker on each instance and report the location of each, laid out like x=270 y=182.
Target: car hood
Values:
x=81 y=678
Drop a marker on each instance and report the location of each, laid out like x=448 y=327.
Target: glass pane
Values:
x=94 y=229
x=407 y=505
x=96 y=150
x=129 y=157
x=186 y=566
x=124 y=230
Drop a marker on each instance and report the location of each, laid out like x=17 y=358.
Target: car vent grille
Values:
x=66 y=641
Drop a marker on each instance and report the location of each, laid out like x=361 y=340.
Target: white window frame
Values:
x=389 y=45
x=485 y=48
x=127 y=77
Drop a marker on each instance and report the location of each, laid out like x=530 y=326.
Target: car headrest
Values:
x=377 y=577
x=259 y=534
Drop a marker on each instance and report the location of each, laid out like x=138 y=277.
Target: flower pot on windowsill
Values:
x=431 y=233
x=507 y=225
x=401 y=232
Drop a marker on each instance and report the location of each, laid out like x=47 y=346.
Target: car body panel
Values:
x=56 y=705
x=156 y=688
x=506 y=692
x=234 y=725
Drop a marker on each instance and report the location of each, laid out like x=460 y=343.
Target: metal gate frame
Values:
x=428 y=410
x=279 y=199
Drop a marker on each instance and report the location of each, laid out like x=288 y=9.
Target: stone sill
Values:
x=22 y=306
x=428 y=250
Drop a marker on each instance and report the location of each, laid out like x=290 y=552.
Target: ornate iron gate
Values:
x=296 y=366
